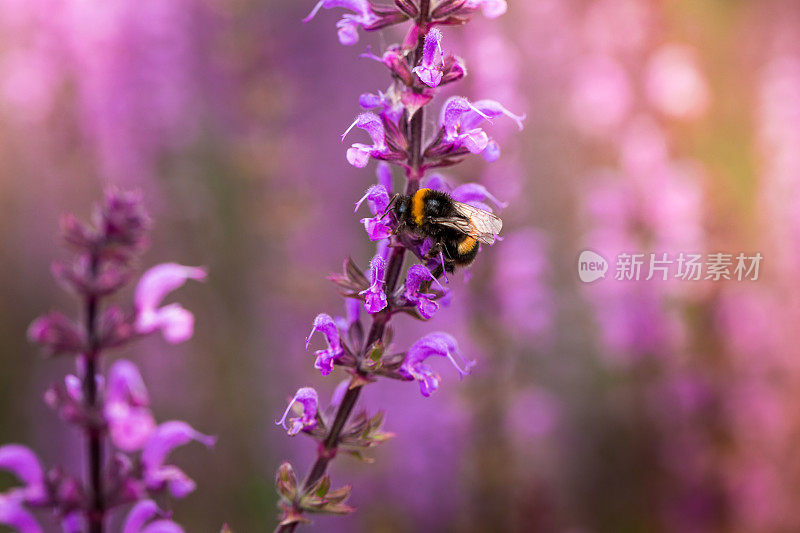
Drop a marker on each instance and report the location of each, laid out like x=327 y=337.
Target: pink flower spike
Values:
x=175 y=322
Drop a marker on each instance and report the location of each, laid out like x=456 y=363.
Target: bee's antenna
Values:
x=391 y=203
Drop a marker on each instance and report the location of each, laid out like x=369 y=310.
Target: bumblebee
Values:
x=456 y=228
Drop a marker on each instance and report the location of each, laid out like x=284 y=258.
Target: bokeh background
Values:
x=652 y=126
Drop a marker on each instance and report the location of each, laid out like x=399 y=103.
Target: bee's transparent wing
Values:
x=477 y=223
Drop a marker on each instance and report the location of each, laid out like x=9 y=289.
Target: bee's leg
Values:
x=447 y=267
x=435 y=250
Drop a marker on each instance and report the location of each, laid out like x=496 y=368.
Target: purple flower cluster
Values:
x=113 y=409
x=361 y=341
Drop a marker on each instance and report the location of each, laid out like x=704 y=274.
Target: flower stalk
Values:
x=94 y=437
x=418 y=66
x=327 y=449
x=126 y=451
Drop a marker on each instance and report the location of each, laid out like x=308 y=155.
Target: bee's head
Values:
x=401 y=206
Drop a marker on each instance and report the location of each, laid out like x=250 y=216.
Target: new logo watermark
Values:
x=591 y=266
x=716 y=266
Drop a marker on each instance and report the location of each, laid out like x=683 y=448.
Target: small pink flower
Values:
x=438 y=344
x=175 y=322
x=374 y=296
x=127 y=411
x=24 y=464
x=326 y=358
x=164 y=439
x=139 y=520
x=308 y=399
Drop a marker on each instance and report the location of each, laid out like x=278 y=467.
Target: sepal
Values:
x=320 y=499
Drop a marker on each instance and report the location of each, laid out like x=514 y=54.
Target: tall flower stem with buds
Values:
x=94 y=437
x=418 y=67
x=112 y=410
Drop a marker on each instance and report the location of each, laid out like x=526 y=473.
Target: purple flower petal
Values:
x=429 y=76
x=162 y=279
x=144 y=511
x=125 y=383
x=349 y=23
x=347 y=31
x=326 y=358
x=433 y=43
x=339 y=392
x=167 y=437
x=14 y=515
x=452 y=110
x=352 y=311
x=162 y=526
x=74 y=387
x=492 y=152
x=73 y=522
x=487 y=110
x=433 y=344
x=173 y=478
x=175 y=322
x=374 y=297
x=23 y=463
x=427 y=307
x=358 y=155
x=377 y=229
x=474 y=192
x=139 y=515
x=377 y=197
x=129 y=427
x=325 y=325
x=490 y=8
x=374 y=300
x=384 y=173
x=428 y=71
x=370 y=100
x=475 y=141
x=309 y=400
x=436 y=182
x=372 y=124
x=414 y=278
x=416 y=275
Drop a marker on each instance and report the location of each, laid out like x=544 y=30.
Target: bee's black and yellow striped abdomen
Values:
x=462 y=250
x=424 y=212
